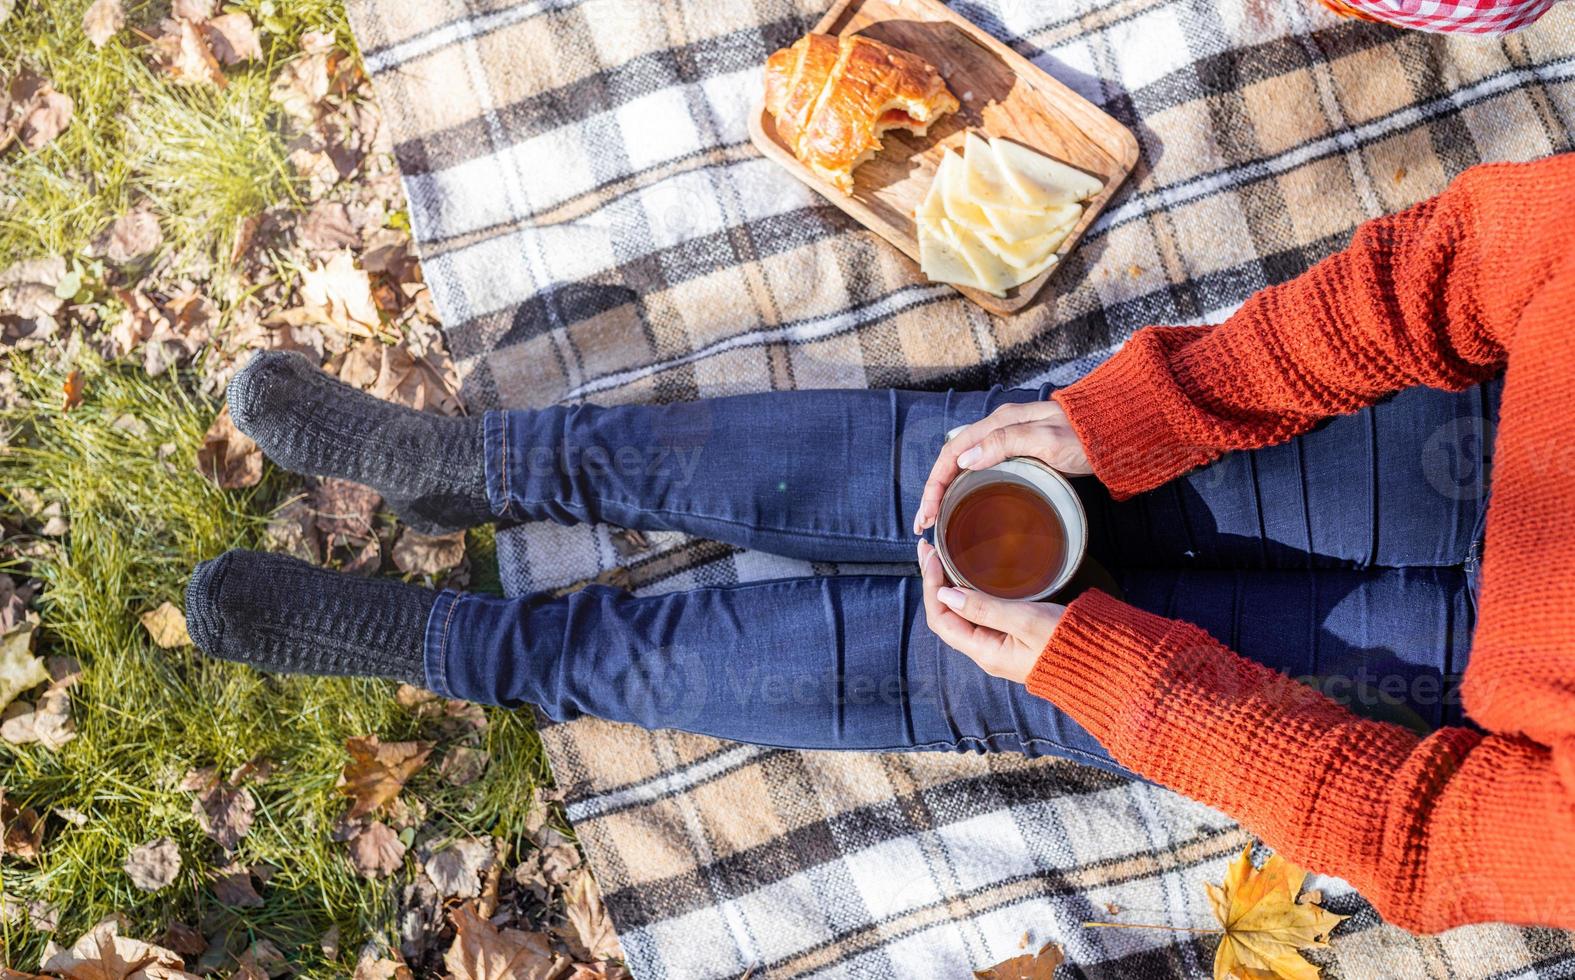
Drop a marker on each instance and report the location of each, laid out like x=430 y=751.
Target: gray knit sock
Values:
x=429 y=468
x=283 y=615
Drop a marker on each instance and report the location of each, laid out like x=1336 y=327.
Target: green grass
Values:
x=141 y=517
x=205 y=158
x=145 y=716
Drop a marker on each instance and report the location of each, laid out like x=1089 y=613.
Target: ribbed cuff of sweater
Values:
x=1100 y=639
x=1118 y=412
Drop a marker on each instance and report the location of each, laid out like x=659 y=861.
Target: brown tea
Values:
x=1006 y=539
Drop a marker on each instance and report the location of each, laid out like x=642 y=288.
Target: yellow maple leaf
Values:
x=1265 y=926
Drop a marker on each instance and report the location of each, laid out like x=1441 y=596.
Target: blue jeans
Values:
x=1345 y=557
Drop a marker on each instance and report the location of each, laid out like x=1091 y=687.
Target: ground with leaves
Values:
x=180 y=184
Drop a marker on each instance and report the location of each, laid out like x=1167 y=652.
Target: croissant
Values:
x=832 y=98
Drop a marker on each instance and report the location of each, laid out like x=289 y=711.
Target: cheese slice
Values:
x=1017 y=225
x=1025 y=253
x=939 y=261
x=990 y=273
x=931 y=209
x=987 y=185
x=959 y=201
x=1040 y=181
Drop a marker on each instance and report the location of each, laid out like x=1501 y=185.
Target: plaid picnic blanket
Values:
x=595 y=225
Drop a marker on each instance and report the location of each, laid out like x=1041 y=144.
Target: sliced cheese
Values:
x=1016 y=225
x=1040 y=181
x=1024 y=253
x=939 y=261
x=931 y=208
x=986 y=183
x=990 y=273
x=959 y=202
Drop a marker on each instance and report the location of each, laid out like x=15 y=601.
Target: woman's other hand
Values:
x=1037 y=429
x=1000 y=635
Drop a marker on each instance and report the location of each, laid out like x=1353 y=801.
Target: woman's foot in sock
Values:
x=430 y=468
x=283 y=615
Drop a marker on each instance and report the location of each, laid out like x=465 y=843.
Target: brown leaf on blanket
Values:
x=424 y=554
x=34 y=113
x=21 y=831
x=154 y=865
x=1029 y=966
x=232 y=37
x=482 y=951
x=102 y=20
x=167 y=626
x=377 y=771
x=102 y=953
x=228 y=456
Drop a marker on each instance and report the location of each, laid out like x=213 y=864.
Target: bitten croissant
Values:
x=833 y=97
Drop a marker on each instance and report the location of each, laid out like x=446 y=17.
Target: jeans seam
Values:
x=664 y=512
x=448 y=621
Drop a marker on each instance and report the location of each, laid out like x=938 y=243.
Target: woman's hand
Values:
x=1037 y=429
x=1002 y=636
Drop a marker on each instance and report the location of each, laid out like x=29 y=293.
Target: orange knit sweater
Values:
x=1456 y=827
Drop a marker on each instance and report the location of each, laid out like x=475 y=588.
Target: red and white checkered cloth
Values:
x=1448 y=16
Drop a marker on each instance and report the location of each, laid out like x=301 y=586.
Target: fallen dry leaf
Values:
x=375 y=850
x=21 y=831
x=34 y=113
x=228 y=456
x=167 y=626
x=183 y=939
x=425 y=554
x=1265 y=925
x=48 y=720
x=19 y=669
x=72 y=390
x=340 y=295
x=463 y=765
x=102 y=20
x=1029 y=966
x=593 y=928
x=374 y=964
x=377 y=771
x=482 y=951
x=232 y=885
x=327 y=227
x=232 y=37
x=185 y=55
x=153 y=865
x=103 y=954
x=457 y=869
x=133 y=235
x=225 y=813
x=341 y=508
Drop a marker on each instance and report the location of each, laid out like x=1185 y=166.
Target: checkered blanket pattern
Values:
x=595 y=225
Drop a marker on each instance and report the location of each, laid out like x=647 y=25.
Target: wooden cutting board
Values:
x=1002 y=94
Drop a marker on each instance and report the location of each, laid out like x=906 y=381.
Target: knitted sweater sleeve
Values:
x=1459 y=826
x=1395 y=309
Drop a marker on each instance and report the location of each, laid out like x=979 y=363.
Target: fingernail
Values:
x=929 y=522
x=970 y=457
x=952 y=597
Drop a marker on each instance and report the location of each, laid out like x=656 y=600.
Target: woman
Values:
x=1346 y=554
